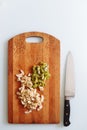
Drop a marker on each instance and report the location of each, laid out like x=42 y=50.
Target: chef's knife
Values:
x=69 y=88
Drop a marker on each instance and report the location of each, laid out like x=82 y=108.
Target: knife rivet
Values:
x=66 y=105
x=66 y=123
x=66 y=113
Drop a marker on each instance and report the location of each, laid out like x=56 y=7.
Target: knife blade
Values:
x=69 y=88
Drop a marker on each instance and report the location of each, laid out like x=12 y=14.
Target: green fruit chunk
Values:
x=40 y=74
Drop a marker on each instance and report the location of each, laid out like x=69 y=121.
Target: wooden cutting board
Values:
x=23 y=55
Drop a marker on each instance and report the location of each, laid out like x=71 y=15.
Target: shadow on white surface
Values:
x=62 y=86
x=5 y=86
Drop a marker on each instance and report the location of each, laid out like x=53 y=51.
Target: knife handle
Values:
x=66 y=112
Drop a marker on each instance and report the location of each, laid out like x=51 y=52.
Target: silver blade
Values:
x=69 y=80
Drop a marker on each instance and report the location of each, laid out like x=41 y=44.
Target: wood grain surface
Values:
x=23 y=55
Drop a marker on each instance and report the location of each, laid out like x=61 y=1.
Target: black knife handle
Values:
x=66 y=112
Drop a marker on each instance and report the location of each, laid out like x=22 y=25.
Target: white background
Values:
x=66 y=20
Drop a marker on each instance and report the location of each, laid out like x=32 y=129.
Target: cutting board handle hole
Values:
x=34 y=39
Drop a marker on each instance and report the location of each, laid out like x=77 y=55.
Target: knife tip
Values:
x=69 y=54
